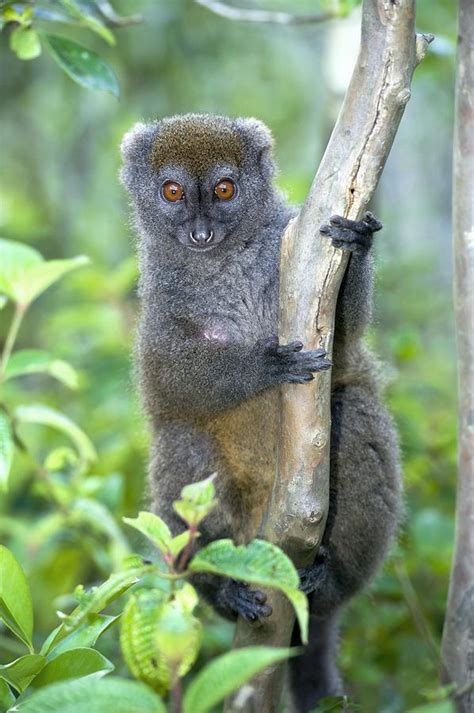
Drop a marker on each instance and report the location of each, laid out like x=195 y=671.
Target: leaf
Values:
x=227 y=673
x=89 y=21
x=33 y=361
x=24 y=275
x=439 y=707
x=25 y=43
x=82 y=65
x=197 y=501
x=6 y=696
x=21 y=672
x=85 y=635
x=260 y=563
x=97 y=598
x=15 y=261
x=46 y=416
x=74 y=663
x=137 y=639
x=6 y=449
x=100 y=518
x=16 y=609
x=85 y=695
x=153 y=527
x=179 y=542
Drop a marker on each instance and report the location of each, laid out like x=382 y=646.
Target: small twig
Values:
x=112 y=19
x=413 y=603
x=11 y=337
x=267 y=16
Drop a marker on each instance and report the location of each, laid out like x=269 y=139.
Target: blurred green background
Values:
x=60 y=193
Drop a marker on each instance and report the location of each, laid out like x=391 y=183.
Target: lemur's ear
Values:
x=138 y=140
x=258 y=140
x=136 y=149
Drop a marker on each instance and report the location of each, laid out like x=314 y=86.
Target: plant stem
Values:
x=11 y=337
x=176 y=697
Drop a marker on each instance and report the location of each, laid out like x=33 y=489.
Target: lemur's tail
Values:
x=314 y=674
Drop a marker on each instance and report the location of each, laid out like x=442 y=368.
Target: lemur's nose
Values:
x=201 y=237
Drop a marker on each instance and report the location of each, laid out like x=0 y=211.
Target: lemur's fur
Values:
x=209 y=368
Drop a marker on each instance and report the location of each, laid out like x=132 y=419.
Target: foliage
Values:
x=60 y=195
x=26 y=23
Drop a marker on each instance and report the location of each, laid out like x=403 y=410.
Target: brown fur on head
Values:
x=198 y=143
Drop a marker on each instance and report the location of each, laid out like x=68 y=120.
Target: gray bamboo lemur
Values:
x=209 y=222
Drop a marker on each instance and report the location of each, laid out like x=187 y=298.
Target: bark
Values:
x=458 y=635
x=311 y=273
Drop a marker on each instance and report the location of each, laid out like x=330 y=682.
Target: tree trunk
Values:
x=458 y=635
x=311 y=273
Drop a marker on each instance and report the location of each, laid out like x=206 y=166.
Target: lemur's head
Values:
x=199 y=179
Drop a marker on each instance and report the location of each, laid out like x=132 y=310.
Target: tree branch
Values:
x=266 y=16
x=458 y=636
x=311 y=273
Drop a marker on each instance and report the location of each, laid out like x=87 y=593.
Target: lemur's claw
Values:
x=352 y=235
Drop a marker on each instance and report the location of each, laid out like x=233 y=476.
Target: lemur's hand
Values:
x=287 y=363
x=353 y=235
x=248 y=603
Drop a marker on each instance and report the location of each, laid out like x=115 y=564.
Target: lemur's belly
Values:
x=246 y=440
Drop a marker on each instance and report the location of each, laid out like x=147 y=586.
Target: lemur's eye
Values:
x=172 y=191
x=225 y=189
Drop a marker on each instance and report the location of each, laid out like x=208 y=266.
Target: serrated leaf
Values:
x=82 y=65
x=75 y=663
x=108 y=695
x=16 y=609
x=260 y=563
x=197 y=501
x=153 y=527
x=21 y=672
x=6 y=449
x=137 y=639
x=85 y=635
x=24 y=275
x=227 y=673
x=46 y=416
x=25 y=43
x=34 y=361
x=179 y=542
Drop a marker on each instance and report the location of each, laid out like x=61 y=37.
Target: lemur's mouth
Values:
x=201 y=248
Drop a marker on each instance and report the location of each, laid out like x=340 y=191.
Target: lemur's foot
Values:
x=288 y=363
x=311 y=578
x=248 y=603
x=352 y=235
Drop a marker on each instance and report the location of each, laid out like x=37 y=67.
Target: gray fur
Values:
x=208 y=368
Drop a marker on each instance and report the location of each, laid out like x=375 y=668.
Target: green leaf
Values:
x=85 y=635
x=89 y=21
x=16 y=609
x=74 y=663
x=439 y=707
x=153 y=528
x=6 y=449
x=24 y=275
x=21 y=672
x=97 y=598
x=25 y=43
x=227 y=673
x=197 y=501
x=260 y=563
x=6 y=696
x=82 y=65
x=179 y=542
x=46 y=416
x=85 y=695
x=33 y=361
x=137 y=639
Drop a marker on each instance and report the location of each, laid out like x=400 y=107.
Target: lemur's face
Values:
x=195 y=179
x=201 y=211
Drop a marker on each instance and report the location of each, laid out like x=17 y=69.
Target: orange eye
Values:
x=225 y=189
x=172 y=191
